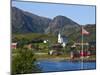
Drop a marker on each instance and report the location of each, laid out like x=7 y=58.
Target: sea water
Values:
x=55 y=66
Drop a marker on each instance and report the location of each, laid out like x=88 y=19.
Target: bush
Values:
x=24 y=62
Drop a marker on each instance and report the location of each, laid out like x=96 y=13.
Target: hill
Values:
x=31 y=26
x=25 y=22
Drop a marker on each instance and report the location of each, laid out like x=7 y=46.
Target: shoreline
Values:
x=58 y=59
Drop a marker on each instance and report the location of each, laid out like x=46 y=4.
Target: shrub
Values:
x=24 y=62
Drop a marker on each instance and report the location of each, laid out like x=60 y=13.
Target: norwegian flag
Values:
x=84 y=32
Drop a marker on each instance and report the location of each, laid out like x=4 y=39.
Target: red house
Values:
x=14 y=45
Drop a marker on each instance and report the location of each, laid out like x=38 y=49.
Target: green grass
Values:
x=31 y=36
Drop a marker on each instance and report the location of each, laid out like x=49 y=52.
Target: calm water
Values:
x=52 y=66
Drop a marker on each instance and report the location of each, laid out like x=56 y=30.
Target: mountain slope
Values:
x=25 y=22
x=63 y=25
x=77 y=37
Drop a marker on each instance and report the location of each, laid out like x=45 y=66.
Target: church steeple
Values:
x=59 y=38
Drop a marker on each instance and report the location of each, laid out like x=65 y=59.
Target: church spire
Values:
x=59 y=38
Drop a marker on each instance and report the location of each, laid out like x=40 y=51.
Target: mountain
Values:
x=25 y=22
x=63 y=25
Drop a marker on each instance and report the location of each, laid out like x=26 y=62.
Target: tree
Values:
x=68 y=46
x=24 y=62
x=22 y=42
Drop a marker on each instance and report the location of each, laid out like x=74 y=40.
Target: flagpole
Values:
x=82 y=50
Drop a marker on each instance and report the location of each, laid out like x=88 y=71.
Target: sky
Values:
x=82 y=14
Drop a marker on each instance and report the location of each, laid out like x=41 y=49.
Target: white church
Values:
x=62 y=40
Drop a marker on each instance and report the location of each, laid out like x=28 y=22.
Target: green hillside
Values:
x=76 y=36
x=34 y=36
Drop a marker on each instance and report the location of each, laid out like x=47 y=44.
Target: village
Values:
x=62 y=49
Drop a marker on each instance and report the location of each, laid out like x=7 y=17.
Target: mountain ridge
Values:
x=26 y=22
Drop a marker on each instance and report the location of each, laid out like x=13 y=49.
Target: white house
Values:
x=45 y=41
